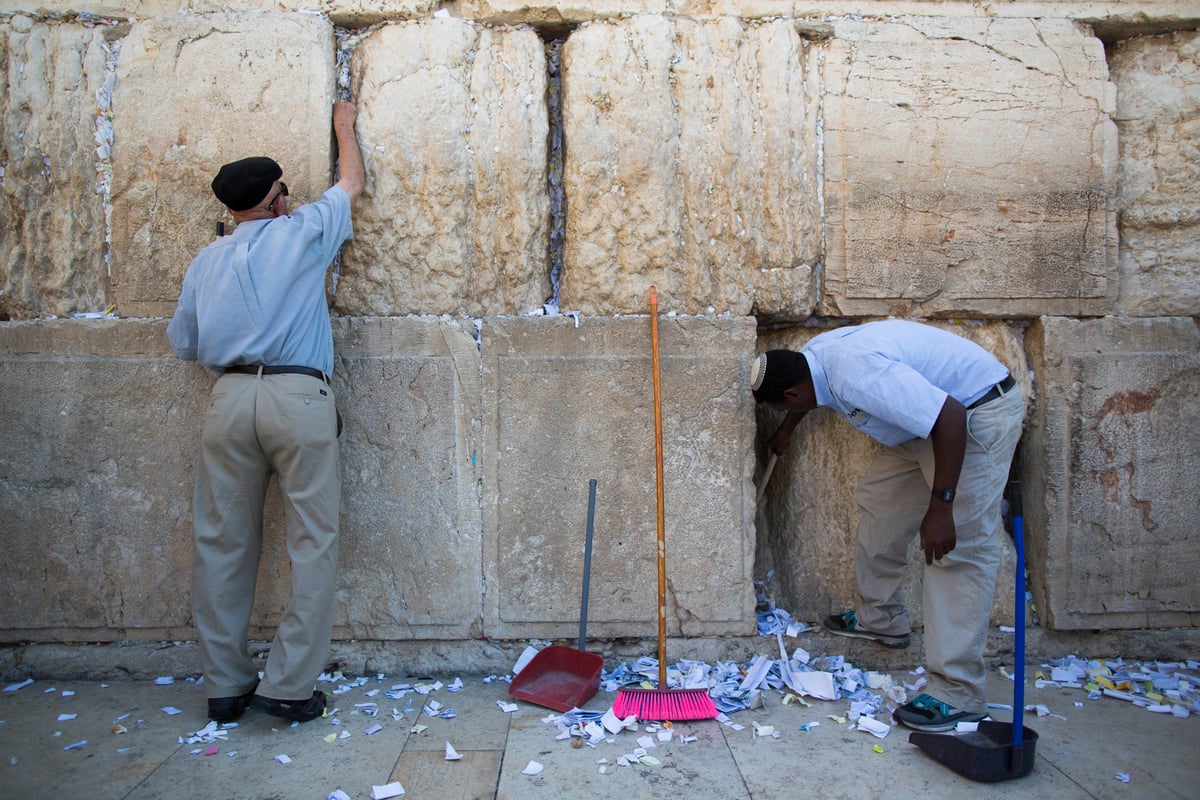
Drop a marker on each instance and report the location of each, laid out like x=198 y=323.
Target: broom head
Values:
x=664 y=704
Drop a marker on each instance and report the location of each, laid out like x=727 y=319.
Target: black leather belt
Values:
x=996 y=391
x=286 y=369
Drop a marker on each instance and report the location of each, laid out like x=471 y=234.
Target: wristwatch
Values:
x=945 y=495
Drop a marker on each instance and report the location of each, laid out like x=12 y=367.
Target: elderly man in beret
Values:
x=253 y=312
x=949 y=416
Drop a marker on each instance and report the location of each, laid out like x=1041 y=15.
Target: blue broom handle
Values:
x=587 y=563
x=1019 y=648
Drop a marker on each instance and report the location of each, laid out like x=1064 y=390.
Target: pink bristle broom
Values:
x=661 y=703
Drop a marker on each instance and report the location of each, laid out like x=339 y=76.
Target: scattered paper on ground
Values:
x=386 y=791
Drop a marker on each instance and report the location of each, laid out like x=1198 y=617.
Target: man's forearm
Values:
x=949 y=441
x=352 y=171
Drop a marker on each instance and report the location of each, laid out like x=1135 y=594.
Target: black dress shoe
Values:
x=229 y=709
x=296 y=710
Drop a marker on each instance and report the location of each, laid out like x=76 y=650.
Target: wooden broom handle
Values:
x=658 y=469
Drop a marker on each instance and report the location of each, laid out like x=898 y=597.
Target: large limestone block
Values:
x=566 y=404
x=691 y=164
x=456 y=215
x=96 y=483
x=350 y=13
x=969 y=166
x=361 y=13
x=553 y=13
x=52 y=79
x=1158 y=115
x=808 y=520
x=194 y=92
x=1111 y=473
x=409 y=391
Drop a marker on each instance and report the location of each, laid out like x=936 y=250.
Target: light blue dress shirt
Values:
x=257 y=296
x=890 y=379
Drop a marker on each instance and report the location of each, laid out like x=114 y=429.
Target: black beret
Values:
x=244 y=184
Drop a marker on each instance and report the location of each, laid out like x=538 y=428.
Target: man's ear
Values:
x=793 y=392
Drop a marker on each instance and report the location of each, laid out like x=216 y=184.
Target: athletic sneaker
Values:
x=846 y=624
x=926 y=713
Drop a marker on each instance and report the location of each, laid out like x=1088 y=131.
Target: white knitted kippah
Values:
x=758 y=371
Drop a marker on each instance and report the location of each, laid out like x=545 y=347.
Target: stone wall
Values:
x=1022 y=173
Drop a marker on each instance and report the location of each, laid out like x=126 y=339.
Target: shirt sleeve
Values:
x=182 y=331
x=329 y=217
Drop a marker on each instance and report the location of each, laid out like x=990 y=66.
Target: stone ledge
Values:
x=149 y=660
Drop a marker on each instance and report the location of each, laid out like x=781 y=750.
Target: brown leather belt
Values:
x=996 y=391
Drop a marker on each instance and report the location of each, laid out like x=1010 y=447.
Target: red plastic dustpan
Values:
x=559 y=677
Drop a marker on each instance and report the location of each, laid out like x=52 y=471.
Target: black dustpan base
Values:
x=986 y=755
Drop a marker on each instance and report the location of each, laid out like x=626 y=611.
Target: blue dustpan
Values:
x=997 y=751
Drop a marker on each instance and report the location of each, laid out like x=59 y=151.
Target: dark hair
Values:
x=784 y=369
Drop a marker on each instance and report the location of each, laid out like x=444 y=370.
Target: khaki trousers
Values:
x=257 y=426
x=958 y=590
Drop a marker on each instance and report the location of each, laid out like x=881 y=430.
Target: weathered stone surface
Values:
x=565 y=404
x=572 y=12
x=1111 y=472
x=809 y=518
x=96 y=483
x=194 y=92
x=691 y=164
x=52 y=251
x=969 y=166
x=411 y=536
x=341 y=12
x=95 y=480
x=1158 y=115
x=1112 y=19
x=358 y=13
x=456 y=216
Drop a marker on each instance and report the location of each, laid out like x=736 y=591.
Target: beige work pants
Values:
x=893 y=496
x=257 y=426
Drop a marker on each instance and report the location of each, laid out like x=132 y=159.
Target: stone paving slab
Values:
x=704 y=768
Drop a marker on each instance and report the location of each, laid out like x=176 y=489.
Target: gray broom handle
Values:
x=587 y=562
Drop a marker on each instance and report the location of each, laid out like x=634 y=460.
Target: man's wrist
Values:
x=945 y=495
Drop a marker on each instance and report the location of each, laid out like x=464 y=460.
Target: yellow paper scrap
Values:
x=878 y=748
x=1105 y=682
x=837 y=719
x=331 y=738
